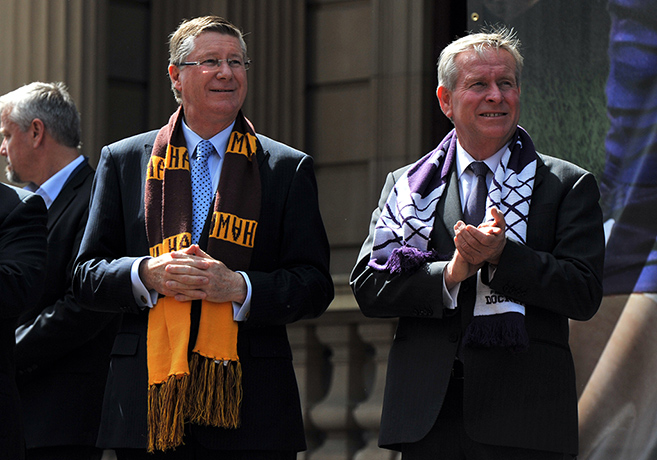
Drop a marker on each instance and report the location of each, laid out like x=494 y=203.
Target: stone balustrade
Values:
x=341 y=360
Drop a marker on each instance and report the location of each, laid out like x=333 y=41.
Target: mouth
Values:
x=493 y=115
x=221 y=90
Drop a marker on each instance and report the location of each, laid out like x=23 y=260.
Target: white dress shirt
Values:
x=466 y=179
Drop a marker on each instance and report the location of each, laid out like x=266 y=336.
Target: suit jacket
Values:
x=289 y=276
x=22 y=270
x=526 y=399
x=62 y=350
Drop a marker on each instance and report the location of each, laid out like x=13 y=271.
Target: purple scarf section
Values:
x=405 y=248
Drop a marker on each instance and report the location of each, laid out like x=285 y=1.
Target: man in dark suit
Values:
x=62 y=350
x=483 y=264
x=22 y=269
x=233 y=264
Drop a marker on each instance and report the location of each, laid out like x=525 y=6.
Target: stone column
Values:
x=367 y=414
x=334 y=414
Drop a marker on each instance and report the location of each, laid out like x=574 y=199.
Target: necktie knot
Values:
x=479 y=168
x=204 y=150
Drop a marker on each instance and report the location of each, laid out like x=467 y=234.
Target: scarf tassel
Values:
x=505 y=330
x=407 y=259
x=166 y=421
x=210 y=395
x=216 y=392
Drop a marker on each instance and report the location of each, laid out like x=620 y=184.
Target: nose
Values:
x=224 y=70
x=3 y=147
x=494 y=93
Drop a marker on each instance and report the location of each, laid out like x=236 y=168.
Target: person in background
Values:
x=23 y=247
x=208 y=237
x=62 y=350
x=483 y=249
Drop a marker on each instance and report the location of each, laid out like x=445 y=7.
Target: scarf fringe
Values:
x=407 y=259
x=166 y=421
x=506 y=330
x=210 y=395
x=216 y=392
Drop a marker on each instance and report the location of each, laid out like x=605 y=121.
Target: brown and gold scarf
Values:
x=204 y=388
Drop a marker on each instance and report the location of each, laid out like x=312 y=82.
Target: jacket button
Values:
x=454 y=337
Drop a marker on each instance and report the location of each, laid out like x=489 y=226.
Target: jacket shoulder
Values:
x=561 y=167
x=11 y=197
x=278 y=149
x=137 y=141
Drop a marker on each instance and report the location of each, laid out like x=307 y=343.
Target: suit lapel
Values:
x=534 y=232
x=261 y=155
x=68 y=193
x=451 y=211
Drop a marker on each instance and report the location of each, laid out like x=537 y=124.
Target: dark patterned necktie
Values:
x=201 y=188
x=475 y=207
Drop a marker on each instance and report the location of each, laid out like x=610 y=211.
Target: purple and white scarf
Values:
x=403 y=231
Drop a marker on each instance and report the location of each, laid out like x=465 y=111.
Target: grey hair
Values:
x=49 y=102
x=182 y=41
x=500 y=39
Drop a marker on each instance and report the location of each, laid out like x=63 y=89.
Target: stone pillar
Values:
x=367 y=414
x=334 y=414
x=310 y=366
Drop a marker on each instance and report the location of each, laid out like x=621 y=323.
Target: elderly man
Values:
x=483 y=249
x=62 y=350
x=208 y=237
x=23 y=248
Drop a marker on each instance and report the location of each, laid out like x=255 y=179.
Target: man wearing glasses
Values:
x=195 y=235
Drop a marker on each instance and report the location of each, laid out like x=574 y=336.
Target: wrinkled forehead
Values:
x=213 y=41
x=478 y=59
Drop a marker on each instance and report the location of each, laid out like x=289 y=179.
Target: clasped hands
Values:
x=474 y=247
x=190 y=274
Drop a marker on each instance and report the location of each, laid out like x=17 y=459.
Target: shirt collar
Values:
x=51 y=188
x=463 y=158
x=219 y=140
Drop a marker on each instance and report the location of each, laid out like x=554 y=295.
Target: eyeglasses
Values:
x=233 y=63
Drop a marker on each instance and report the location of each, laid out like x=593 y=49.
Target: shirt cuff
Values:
x=491 y=271
x=241 y=311
x=450 y=295
x=142 y=295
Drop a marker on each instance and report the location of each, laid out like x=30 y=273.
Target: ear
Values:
x=37 y=132
x=445 y=99
x=174 y=75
